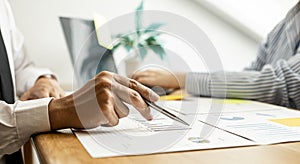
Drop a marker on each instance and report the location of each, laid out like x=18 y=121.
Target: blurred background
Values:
x=235 y=27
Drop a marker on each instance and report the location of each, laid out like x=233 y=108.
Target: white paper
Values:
x=241 y=123
x=217 y=139
x=258 y=127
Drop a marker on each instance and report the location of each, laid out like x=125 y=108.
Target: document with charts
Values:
x=240 y=123
x=98 y=142
x=262 y=127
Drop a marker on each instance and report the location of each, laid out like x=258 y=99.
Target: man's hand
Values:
x=162 y=78
x=44 y=87
x=100 y=101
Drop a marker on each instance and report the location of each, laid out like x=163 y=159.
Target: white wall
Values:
x=253 y=17
x=44 y=41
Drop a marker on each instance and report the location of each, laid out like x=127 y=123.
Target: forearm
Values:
x=246 y=85
x=198 y=84
x=273 y=84
x=62 y=113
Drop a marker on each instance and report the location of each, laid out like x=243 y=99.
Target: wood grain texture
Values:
x=59 y=148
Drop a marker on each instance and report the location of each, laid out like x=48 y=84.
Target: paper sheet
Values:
x=190 y=141
x=263 y=127
x=241 y=123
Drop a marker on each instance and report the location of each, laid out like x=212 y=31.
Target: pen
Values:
x=165 y=112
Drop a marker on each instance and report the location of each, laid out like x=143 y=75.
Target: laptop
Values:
x=87 y=56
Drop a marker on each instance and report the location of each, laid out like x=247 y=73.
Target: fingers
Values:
x=146 y=92
x=54 y=93
x=37 y=93
x=112 y=107
x=106 y=104
x=24 y=97
x=34 y=94
x=145 y=73
x=143 y=90
x=112 y=89
x=120 y=108
x=133 y=93
x=150 y=77
x=140 y=74
x=149 y=81
x=132 y=97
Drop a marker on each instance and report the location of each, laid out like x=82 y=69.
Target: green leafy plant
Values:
x=143 y=38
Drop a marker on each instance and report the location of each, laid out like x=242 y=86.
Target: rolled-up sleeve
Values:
x=20 y=120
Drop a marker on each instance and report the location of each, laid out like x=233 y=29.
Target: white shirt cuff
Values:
x=32 y=117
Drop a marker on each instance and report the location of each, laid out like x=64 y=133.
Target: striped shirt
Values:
x=274 y=76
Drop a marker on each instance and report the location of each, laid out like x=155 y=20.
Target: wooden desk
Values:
x=65 y=148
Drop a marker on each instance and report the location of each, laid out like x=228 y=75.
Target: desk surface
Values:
x=65 y=148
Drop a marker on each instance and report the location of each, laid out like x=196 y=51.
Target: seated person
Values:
x=274 y=77
x=43 y=106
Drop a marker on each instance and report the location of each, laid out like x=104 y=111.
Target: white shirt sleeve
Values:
x=24 y=70
x=20 y=120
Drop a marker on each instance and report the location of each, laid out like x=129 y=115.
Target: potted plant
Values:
x=139 y=42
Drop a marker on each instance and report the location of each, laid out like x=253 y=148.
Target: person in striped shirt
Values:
x=274 y=76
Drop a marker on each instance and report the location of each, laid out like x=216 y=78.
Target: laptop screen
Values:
x=87 y=56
